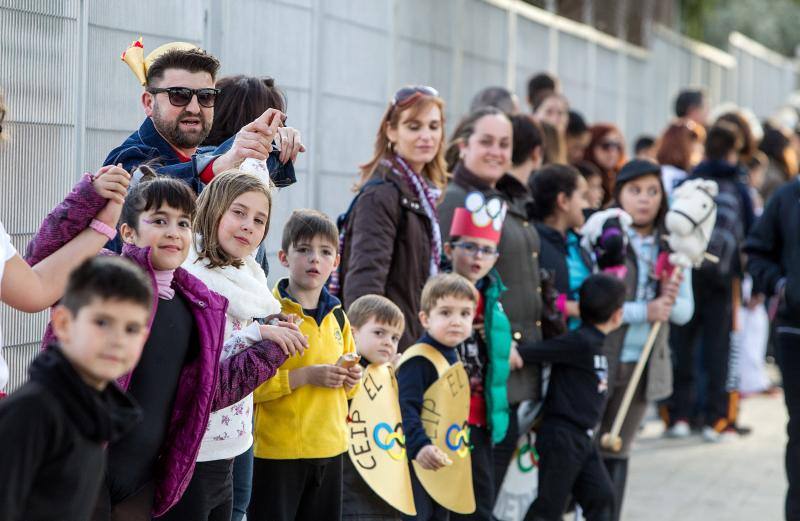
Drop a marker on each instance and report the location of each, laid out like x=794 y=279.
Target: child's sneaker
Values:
x=711 y=435
x=679 y=430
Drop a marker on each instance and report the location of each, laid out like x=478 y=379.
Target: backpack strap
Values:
x=342 y=220
x=430 y=353
x=338 y=313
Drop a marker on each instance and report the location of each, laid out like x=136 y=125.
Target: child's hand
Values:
x=326 y=375
x=111 y=183
x=287 y=336
x=670 y=287
x=514 y=359
x=431 y=457
x=353 y=377
x=659 y=309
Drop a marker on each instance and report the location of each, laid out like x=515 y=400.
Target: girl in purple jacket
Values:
x=179 y=379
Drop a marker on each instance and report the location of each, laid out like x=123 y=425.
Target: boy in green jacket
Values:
x=474 y=235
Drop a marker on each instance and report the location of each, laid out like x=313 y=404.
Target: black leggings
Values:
x=209 y=496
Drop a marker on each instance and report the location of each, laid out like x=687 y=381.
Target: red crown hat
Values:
x=480 y=217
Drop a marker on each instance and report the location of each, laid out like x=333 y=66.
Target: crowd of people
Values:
x=175 y=383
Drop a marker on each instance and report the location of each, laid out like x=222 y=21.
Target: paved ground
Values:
x=690 y=480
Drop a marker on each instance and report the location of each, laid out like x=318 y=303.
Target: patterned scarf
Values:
x=427 y=195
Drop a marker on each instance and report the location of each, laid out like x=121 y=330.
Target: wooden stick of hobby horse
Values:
x=612 y=440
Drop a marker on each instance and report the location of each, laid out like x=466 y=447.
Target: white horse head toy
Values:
x=690 y=221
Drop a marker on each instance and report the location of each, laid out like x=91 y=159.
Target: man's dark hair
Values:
x=643 y=143
x=600 y=297
x=576 y=125
x=687 y=100
x=307 y=224
x=192 y=60
x=107 y=278
x=154 y=191
x=498 y=97
x=527 y=136
x=721 y=141
x=539 y=85
x=241 y=100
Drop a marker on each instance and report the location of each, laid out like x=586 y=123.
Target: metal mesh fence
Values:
x=71 y=100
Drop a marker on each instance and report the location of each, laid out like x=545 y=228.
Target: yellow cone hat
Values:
x=134 y=56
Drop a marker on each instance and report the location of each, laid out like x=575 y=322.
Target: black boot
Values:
x=618 y=471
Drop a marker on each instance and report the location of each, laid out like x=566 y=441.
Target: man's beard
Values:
x=171 y=130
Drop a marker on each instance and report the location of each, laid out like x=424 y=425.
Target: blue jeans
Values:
x=242 y=483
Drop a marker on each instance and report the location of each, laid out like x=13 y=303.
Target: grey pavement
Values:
x=691 y=480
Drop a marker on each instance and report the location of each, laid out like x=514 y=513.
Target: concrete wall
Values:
x=71 y=98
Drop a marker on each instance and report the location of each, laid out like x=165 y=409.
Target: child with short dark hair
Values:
x=447 y=309
x=569 y=459
x=377 y=325
x=54 y=428
x=301 y=414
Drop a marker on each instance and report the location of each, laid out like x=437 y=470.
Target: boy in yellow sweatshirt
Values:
x=301 y=413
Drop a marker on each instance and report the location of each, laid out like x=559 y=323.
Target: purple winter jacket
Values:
x=205 y=384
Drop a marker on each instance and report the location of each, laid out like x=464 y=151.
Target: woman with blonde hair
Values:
x=390 y=240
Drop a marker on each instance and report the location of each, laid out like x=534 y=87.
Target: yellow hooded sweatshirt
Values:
x=307 y=422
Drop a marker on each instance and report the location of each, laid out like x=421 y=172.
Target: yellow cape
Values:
x=445 y=410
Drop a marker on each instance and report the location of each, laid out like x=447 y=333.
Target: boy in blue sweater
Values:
x=448 y=306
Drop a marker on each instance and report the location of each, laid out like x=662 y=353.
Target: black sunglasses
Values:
x=182 y=96
x=404 y=94
x=608 y=145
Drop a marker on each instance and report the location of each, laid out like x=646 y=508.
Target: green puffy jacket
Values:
x=497 y=336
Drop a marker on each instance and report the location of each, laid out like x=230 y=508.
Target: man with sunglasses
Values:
x=179 y=101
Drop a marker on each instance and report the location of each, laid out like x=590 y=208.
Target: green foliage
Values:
x=773 y=23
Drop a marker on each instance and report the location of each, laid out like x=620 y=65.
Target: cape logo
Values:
x=377 y=443
x=393 y=437
x=338 y=336
x=457 y=439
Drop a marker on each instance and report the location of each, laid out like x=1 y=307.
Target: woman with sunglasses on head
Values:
x=391 y=241
x=480 y=159
x=607 y=151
